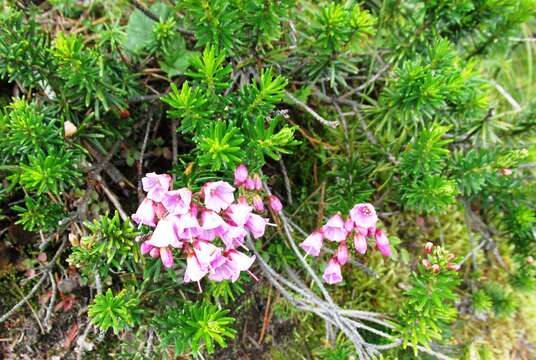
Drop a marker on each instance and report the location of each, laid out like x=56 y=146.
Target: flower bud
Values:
x=258 y=204
x=436 y=268
x=69 y=129
x=428 y=247
x=342 y=253
x=155 y=253
x=453 y=267
x=349 y=225
x=275 y=203
x=146 y=248
x=249 y=184
x=257 y=183
x=240 y=174
x=426 y=263
x=506 y=172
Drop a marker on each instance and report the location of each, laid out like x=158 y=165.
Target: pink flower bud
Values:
x=506 y=172
x=167 y=257
x=275 y=203
x=436 y=268
x=242 y=200
x=258 y=204
x=249 y=184
x=240 y=174
x=155 y=253
x=382 y=243
x=453 y=267
x=426 y=263
x=257 y=182
x=146 y=248
x=342 y=253
x=334 y=229
x=428 y=247
x=349 y=225
x=360 y=243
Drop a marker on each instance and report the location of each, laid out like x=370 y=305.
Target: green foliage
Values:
x=220 y=146
x=113 y=311
x=481 y=302
x=110 y=245
x=38 y=214
x=503 y=299
x=424 y=187
x=194 y=326
x=428 y=305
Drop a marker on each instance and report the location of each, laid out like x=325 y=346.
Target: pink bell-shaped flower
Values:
x=156 y=185
x=364 y=215
x=256 y=225
x=313 y=243
x=342 y=253
x=218 y=195
x=240 y=174
x=187 y=226
x=177 y=202
x=146 y=213
x=165 y=234
x=194 y=270
x=332 y=273
x=167 y=257
x=334 y=229
x=360 y=243
x=233 y=237
x=224 y=269
x=238 y=213
x=241 y=260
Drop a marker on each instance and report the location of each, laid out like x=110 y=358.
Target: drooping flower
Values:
x=146 y=213
x=224 y=269
x=382 y=243
x=258 y=204
x=238 y=213
x=453 y=267
x=167 y=257
x=212 y=225
x=233 y=237
x=342 y=253
x=334 y=229
x=240 y=174
x=194 y=271
x=332 y=273
x=360 y=243
x=165 y=234
x=187 y=226
x=155 y=253
x=218 y=195
x=256 y=225
x=177 y=202
x=205 y=253
x=364 y=215
x=275 y=203
x=313 y=243
x=241 y=260
x=156 y=185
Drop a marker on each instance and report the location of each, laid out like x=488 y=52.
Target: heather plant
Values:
x=278 y=179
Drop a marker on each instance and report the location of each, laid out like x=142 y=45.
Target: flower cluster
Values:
x=361 y=224
x=194 y=224
x=438 y=258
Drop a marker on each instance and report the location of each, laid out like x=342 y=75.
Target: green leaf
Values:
x=140 y=28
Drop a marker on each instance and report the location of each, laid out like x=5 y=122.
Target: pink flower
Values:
x=167 y=257
x=241 y=260
x=165 y=234
x=436 y=268
x=256 y=224
x=360 y=243
x=156 y=185
x=205 y=253
x=146 y=213
x=155 y=253
x=349 y=225
x=453 y=267
x=224 y=269
x=194 y=271
x=218 y=195
x=342 y=253
x=177 y=202
x=364 y=215
x=313 y=243
x=146 y=248
x=275 y=203
x=332 y=273
x=238 y=213
x=249 y=184
x=233 y=237
x=187 y=226
x=334 y=229
x=382 y=243
x=257 y=183
x=240 y=174
x=258 y=204
x=213 y=225
x=428 y=247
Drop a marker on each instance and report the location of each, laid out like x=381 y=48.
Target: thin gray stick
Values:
x=287 y=180
x=51 y=303
x=314 y=114
x=366 y=83
x=112 y=197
